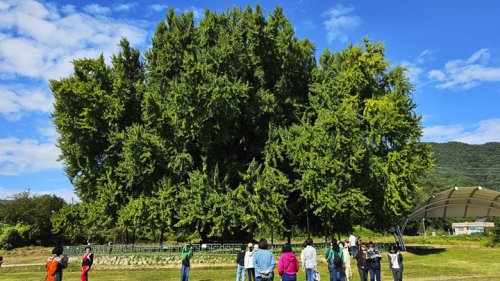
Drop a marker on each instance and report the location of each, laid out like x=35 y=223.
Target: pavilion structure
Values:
x=463 y=202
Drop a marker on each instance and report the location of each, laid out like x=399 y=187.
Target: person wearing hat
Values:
x=362 y=266
x=55 y=264
x=249 y=262
x=240 y=261
x=88 y=260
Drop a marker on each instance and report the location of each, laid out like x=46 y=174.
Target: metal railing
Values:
x=217 y=249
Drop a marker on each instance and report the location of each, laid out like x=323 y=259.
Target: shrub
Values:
x=13 y=236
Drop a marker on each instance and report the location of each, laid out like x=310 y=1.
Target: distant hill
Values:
x=460 y=164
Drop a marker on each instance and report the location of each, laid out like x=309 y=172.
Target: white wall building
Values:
x=468 y=228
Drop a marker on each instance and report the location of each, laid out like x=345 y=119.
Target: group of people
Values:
x=58 y=261
x=258 y=263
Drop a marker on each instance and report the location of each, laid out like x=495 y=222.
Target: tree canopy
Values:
x=231 y=126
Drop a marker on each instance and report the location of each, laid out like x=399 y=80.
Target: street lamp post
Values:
x=425 y=233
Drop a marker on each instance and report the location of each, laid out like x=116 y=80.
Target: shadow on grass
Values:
x=424 y=250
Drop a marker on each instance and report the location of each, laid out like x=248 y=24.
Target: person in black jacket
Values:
x=240 y=260
x=373 y=259
x=88 y=260
x=362 y=263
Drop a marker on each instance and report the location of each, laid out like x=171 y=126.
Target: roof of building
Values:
x=460 y=202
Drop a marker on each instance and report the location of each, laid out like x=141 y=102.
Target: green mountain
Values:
x=460 y=164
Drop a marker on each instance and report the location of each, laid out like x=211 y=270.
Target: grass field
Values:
x=436 y=264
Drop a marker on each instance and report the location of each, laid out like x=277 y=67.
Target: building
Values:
x=460 y=228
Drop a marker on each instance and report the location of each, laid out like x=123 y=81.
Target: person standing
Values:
x=288 y=265
x=249 y=262
x=373 y=258
x=347 y=262
x=240 y=261
x=186 y=254
x=395 y=263
x=88 y=260
x=55 y=264
x=308 y=258
x=336 y=262
x=361 y=262
x=263 y=262
x=352 y=245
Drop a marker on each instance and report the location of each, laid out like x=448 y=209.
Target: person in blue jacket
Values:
x=264 y=262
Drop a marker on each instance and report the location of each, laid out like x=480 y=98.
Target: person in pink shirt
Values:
x=288 y=265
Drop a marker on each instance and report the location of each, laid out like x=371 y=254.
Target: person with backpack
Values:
x=288 y=265
x=395 y=263
x=87 y=261
x=249 y=262
x=336 y=262
x=240 y=261
x=309 y=262
x=373 y=259
x=55 y=264
x=186 y=254
x=361 y=262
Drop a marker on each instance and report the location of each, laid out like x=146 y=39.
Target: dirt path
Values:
x=22 y=264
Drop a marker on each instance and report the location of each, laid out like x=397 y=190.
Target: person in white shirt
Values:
x=352 y=245
x=249 y=262
x=308 y=257
x=395 y=263
x=347 y=262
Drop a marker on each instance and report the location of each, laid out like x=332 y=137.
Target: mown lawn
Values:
x=453 y=264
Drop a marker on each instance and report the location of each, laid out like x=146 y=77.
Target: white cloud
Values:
x=436 y=75
x=68 y=9
x=25 y=156
x=443 y=133
x=484 y=131
x=97 y=9
x=125 y=7
x=198 y=13
x=413 y=71
x=479 y=133
x=158 y=7
x=66 y=193
x=15 y=101
x=340 y=23
x=37 y=42
x=425 y=55
x=466 y=74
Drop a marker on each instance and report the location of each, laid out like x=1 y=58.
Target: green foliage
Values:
x=34 y=212
x=14 y=236
x=495 y=236
x=230 y=127
x=357 y=148
x=460 y=164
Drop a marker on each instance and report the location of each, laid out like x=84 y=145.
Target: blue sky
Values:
x=451 y=49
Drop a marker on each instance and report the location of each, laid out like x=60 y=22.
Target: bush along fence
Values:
x=213 y=249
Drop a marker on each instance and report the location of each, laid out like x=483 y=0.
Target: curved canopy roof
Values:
x=460 y=202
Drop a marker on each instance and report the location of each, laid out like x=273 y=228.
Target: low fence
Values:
x=222 y=249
